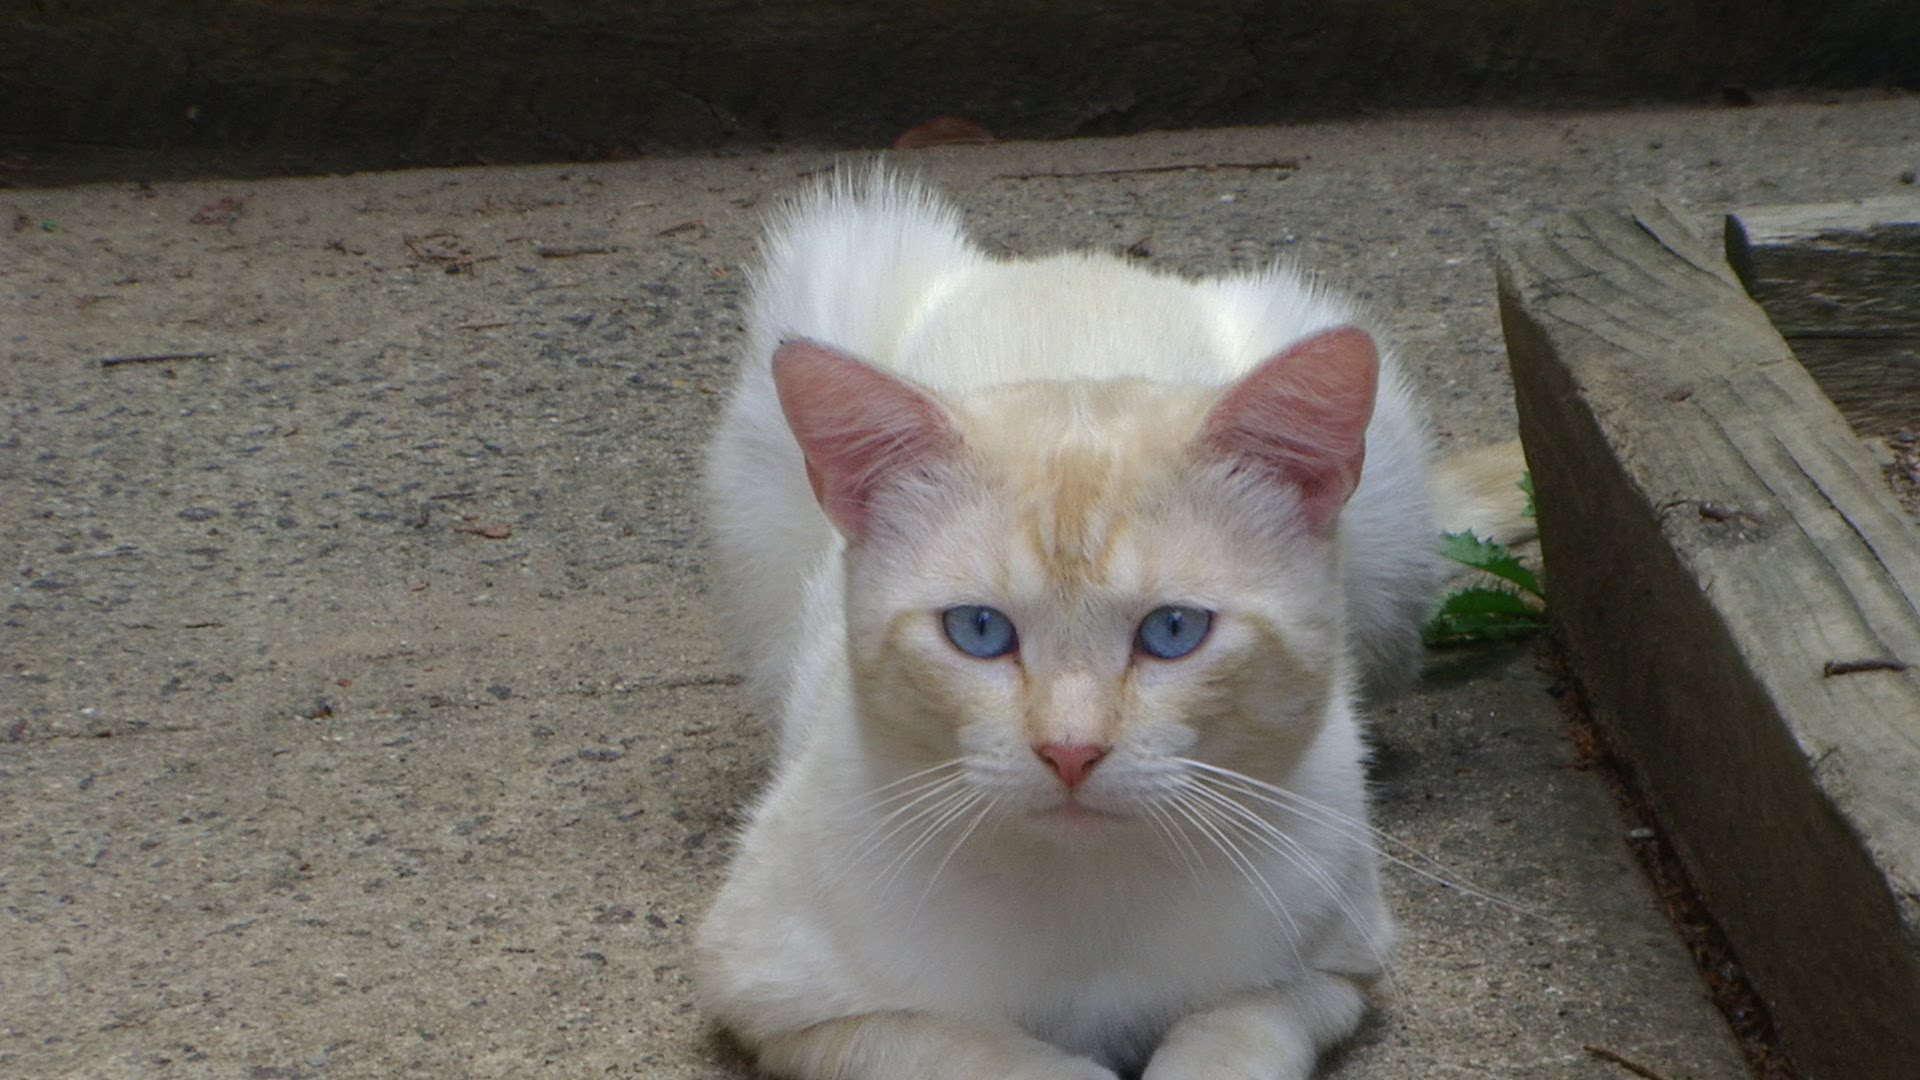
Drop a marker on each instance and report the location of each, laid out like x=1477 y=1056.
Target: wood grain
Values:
x=1715 y=535
x=1841 y=282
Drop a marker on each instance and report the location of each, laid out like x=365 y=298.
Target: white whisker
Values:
x=1277 y=840
x=913 y=798
x=928 y=801
x=1170 y=831
x=950 y=810
x=1201 y=819
x=868 y=798
x=1376 y=839
x=1273 y=837
x=952 y=850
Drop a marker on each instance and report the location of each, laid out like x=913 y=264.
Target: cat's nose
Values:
x=1071 y=762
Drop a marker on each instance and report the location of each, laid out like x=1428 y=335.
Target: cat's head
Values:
x=1068 y=593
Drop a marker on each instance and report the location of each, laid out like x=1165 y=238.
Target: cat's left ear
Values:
x=860 y=429
x=1301 y=417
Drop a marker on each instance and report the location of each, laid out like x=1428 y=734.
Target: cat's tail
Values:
x=1479 y=491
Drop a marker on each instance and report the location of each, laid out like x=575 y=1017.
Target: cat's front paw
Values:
x=1271 y=1034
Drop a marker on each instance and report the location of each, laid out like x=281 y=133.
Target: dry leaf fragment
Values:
x=223 y=211
x=944 y=131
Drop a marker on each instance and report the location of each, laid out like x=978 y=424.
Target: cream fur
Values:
x=915 y=895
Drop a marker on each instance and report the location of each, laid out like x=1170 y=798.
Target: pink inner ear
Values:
x=1302 y=416
x=859 y=427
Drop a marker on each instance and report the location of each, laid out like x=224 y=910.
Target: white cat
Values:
x=1064 y=578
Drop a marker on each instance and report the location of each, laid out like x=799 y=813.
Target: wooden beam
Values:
x=1841 y=283
x=1715 y=535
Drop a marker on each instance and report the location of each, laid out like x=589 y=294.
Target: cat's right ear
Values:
x=1301 y=417
x=859 y=428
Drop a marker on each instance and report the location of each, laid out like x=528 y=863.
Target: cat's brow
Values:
x=1077 y=516
x=1081 y=460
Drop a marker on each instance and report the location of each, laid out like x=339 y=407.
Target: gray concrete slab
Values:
x=360 y=715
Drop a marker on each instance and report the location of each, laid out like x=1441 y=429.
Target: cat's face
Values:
x=1085 y=602
x=1089 y=602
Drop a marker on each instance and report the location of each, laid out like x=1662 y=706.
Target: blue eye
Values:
x=979 y=631
x=1170 y=633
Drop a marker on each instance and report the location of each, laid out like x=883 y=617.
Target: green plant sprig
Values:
x=1512 y=606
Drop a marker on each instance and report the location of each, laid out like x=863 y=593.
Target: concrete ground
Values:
x=360 y=715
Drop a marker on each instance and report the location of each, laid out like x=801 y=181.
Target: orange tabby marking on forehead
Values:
x=1071 y=519
x=1077 y=458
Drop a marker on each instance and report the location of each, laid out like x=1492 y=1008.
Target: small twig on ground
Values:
x=446 y=250
x=156 y=358
x=571 y=252
x=1279 y=164
x=1633 y=1067
x=1848 y=667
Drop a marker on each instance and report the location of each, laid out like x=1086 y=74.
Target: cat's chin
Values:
x=1075 y=820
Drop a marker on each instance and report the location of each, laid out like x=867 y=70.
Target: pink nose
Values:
x=1071 y=762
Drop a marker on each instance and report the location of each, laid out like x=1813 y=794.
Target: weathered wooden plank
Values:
x=1715 y=535
x=1841 y=282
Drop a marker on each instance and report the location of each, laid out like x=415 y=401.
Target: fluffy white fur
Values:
x=883 y=270
x=917 y=895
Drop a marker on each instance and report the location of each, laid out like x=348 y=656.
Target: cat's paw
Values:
x=1270 y=1034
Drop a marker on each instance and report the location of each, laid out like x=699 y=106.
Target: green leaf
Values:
x=1487 y=600
x=1492 y=612
x=1483 y=613
x=1485 y=555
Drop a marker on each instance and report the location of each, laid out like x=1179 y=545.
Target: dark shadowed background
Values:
x=136 y=88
